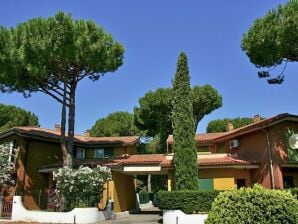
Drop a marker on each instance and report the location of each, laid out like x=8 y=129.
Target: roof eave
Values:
x=56 y=139
x=250 y=129
x=233 y=166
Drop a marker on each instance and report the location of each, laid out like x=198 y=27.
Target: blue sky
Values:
x=153 y=34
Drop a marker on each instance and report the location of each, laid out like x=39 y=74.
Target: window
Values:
x=240 y=183
x=80 y=153
x=288 y=182
x=99 y=153
x=202 y=148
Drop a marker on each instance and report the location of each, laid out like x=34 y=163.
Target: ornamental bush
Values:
x=187 y=201
x=6 y=168
x=80 y=187
x=294 y=191
x=254 y=205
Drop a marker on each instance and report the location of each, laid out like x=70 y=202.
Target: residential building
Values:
x=264 y=152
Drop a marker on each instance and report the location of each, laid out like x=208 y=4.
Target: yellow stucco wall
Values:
x=222 y=174
x=170 y=181
x=224 y=183
x=125 y=150
x=124 y=194
x=108 y=190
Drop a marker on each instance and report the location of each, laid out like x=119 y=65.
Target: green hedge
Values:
x=253 y=205
x=187 y=201
x=144 y=197
x=294 y=191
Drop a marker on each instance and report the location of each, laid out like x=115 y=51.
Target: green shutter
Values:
x=206 y=184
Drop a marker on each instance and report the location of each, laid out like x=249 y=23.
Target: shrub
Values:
x=80 y=187
x=187 y=201
x=6 y=168
x=254 y=205
x=294 y=191
x=144 y=197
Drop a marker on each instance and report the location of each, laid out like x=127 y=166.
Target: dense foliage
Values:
x=149 y=145
x=115 y=124
x=205 y=99
x=6 y=168
x=11 y=116
x=272 y=39
x=253 y=205
x=294 y=191
x=154 y=113
x=185 y=159
x=187 y=201
x=81 y=187
x=220 y=125
x=52 y=55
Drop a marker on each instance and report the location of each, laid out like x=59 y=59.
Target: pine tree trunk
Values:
x=67 y=161
x=71 y=117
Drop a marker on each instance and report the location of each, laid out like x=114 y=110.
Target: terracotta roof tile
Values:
x=55 y=135
x=258 y=125
x=210 y=137
x=201 y=138
x=160 y=159
x=214 y=160
x=222 y=160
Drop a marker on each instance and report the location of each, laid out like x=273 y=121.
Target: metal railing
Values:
x=5 y=208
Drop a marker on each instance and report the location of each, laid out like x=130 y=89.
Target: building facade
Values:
x=264 y=152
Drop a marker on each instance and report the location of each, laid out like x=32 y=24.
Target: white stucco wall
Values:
x=80 y=215
x=179 y=217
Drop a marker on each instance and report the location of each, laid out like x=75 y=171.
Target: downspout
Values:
x=270 y=159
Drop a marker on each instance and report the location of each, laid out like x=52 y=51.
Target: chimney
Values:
x=86 y=133
x=230 y=127
x=57 y=127
x=256 y=118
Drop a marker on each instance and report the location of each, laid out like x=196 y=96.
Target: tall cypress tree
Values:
x=185 y=160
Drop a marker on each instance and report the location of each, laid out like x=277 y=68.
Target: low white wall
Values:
x=179 y=217
x=80 y=215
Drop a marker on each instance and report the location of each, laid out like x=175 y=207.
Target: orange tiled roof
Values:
x=200 y=138
x=206 y=138
x=258 y=125
x=159 y=159
x=221 y=159
x=55 y=135
x=117 y=161
x=214 y=160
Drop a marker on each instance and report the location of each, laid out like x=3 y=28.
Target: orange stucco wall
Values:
x=254 y=147
x=34 y=186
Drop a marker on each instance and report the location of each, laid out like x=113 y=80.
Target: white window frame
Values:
x=83 y=150
x=98 y=150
